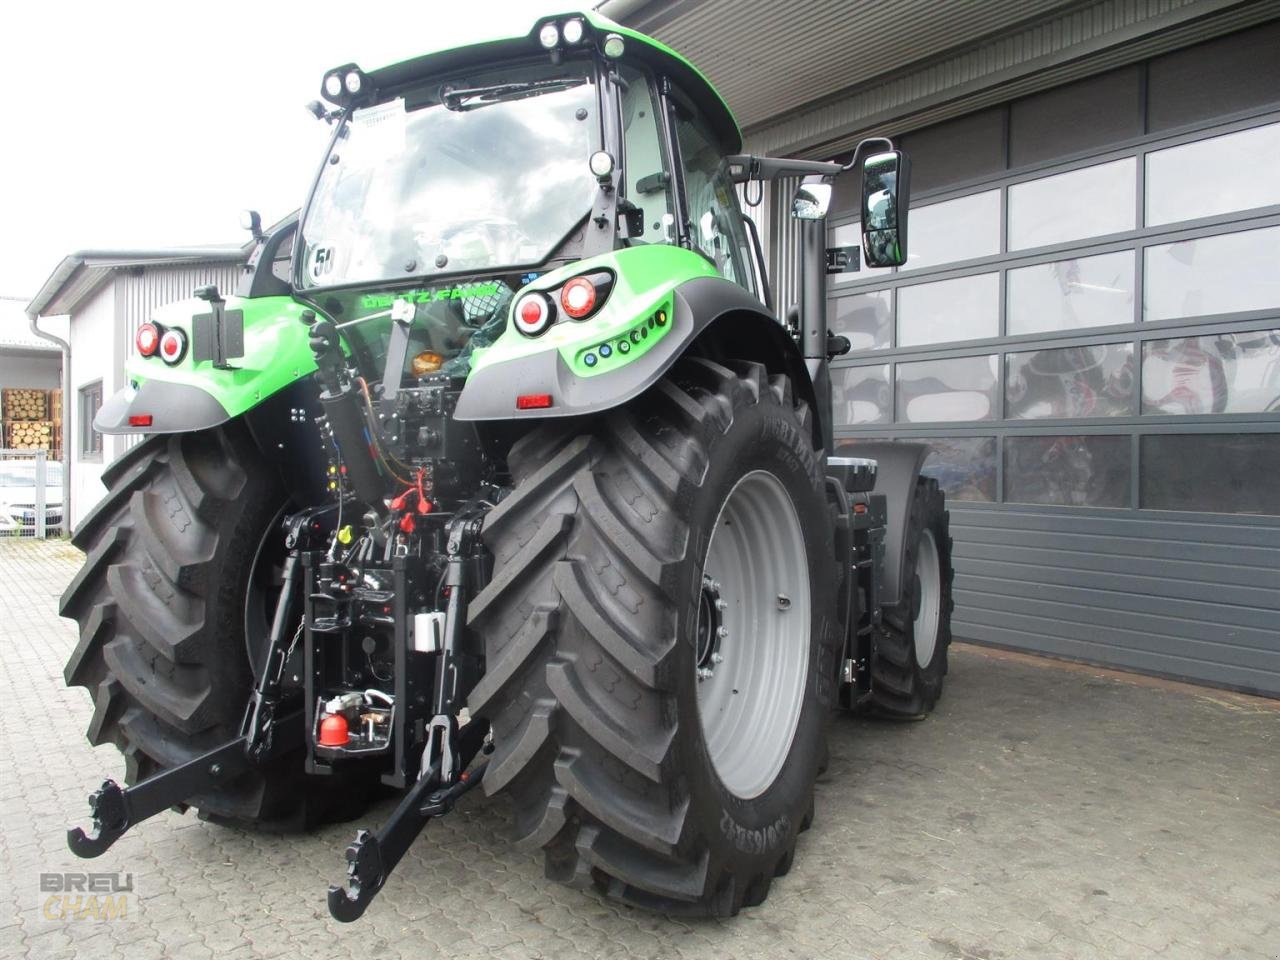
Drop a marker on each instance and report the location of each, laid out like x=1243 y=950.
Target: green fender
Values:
x=664 y=299
x=192 y=395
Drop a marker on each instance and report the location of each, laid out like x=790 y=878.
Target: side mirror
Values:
x=812 y=199
x=251 y=221
x=886 y=181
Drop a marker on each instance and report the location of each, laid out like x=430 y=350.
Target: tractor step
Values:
x=115 y=809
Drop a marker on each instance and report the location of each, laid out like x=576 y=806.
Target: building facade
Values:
x=107 y=295
x=1087 y=332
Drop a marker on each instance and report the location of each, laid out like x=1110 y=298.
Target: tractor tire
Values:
x=909 y=659
x=161 y=603
x=641 y=765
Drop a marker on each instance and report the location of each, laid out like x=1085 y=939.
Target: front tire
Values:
x=909 y=660
x=624 y=766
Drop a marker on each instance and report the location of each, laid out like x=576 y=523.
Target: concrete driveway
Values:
x=1044 y=811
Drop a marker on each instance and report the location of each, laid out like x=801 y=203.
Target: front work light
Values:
x=332 y=86
x=548 y=36
x=352 y=82
x=614 y=46
x=573 y=31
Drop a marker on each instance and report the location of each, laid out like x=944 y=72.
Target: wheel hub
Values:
x=752 y=634
x=711 y=629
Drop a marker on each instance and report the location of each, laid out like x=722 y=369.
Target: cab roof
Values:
x=639 y=48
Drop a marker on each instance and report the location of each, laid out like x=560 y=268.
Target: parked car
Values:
x=18 y=497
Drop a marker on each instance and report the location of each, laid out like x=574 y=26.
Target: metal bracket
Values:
x=115 y=809
x=372 y=857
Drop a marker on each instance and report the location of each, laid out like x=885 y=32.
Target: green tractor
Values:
x=499 y=468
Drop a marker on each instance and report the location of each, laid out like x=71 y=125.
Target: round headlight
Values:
x=548 y=36
x=613 y=46
x=578 y=297
x=573 y=31
x=532 y=314
x=601 y=164
x=353 y=83
x=333 y=85
x=147 y=339
x=172 y=346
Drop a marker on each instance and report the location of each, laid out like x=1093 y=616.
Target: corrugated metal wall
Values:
x=1167 y=593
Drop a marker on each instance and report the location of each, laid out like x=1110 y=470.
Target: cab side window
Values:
x=647 y=186
x=715 y=220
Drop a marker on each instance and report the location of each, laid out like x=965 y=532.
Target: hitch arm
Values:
x=115 y=809
x=372 y=857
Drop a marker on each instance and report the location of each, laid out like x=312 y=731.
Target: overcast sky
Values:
x=136 y=124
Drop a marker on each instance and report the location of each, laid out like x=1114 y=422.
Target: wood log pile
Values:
x=32 y=418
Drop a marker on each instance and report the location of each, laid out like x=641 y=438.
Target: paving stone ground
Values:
x=1044 y=811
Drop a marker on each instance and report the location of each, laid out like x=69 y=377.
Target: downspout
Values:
x=66 y=417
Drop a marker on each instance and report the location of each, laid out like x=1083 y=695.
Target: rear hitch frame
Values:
x=372 y=856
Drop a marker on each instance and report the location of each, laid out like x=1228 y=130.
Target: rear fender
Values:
x=666 y=302
x=196 y=395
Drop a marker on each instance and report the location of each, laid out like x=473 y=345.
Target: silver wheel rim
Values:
x=752 y=634
x=929 y=590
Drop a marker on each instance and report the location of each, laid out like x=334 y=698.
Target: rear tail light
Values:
x=533 y=314
x=172 y=346
x=147 y=339
x=578 y=297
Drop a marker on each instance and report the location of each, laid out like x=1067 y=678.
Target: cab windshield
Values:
x=474 y=173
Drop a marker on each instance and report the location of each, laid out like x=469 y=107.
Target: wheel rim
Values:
x=752 y=634
x=929 y=592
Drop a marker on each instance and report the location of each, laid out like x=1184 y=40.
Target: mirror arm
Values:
x=745 y=166
x=882 y=144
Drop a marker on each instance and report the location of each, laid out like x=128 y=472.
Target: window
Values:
x=1091 y=471
x=861 y=395
x=850 y=235
x=958 y=229
x=963 y=388
x=1222 y=274
x=1095 y=380
x=965 y=467
x=1213 y=472
x=90 y=439
x=646 y=185
x=967 y=308
x=1237 y=171
x=1090 y=202
x=866 y=319
x=1222 y=373
x=715 y=222
x=1070 y=294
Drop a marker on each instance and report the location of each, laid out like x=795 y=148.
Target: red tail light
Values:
x=172 y=346
x=578 y=297
x=532 y=314
x=147 y=339
x=139 y=419
x=533 y=401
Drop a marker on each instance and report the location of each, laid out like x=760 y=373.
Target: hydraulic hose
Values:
x=352 y=433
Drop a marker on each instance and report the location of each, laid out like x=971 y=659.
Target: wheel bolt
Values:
x=721 y=604
x=722 y=632
x=716 y=658
x=704 y=673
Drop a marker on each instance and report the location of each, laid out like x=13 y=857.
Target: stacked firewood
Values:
x=24 y=404
x=29 y=434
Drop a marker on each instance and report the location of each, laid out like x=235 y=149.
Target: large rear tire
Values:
x=638 y=762
x=173 y=553
x=909 y=661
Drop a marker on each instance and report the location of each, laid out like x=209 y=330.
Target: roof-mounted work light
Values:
x=344 y=85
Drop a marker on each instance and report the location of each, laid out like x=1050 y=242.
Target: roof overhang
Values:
x=809 y=77
x=83 y=272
